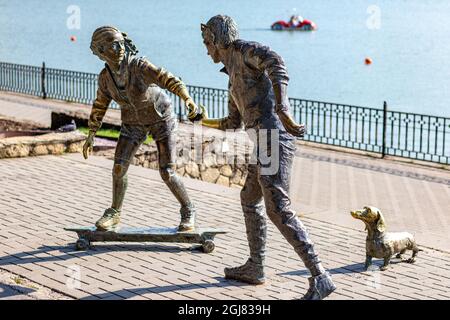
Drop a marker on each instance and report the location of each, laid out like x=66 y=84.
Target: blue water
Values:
x=410 y=50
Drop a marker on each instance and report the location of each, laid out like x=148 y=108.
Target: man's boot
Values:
x=250 y=272
x=319 y=287
x=320 y=283
x=109 y=221
x=253 y=270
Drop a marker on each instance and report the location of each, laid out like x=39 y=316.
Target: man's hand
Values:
x=297 y=130
x=191 y=106
x=207 y=122
x=88 y=145
x=196 y=113
x=282 y=109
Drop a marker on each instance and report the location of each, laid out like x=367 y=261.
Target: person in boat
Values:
x=295 y=21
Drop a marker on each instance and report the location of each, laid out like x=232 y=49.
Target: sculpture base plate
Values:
x=203 y=236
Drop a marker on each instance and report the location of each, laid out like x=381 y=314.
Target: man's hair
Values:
x=98 y=40
x=224 y=30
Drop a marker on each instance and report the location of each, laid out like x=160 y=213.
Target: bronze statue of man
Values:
x=258 y=99
x=137 y=86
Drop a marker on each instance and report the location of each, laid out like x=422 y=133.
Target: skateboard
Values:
x=203 y=236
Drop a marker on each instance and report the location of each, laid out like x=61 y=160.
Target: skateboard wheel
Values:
x=83 y=244
x=208 y=246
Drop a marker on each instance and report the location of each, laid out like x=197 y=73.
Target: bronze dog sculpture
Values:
x=382 y=244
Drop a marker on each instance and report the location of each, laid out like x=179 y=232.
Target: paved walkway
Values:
x=13 y=287
x=327 y=185
x=41 y=195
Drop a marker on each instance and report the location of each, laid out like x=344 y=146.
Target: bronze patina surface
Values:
x=258 y=101
x=137 y=86
x=202 y=236
x=381 y=244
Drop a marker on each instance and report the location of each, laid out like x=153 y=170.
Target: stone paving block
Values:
x=138 y=297
x=170 y=271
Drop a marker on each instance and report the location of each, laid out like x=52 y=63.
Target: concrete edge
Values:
x=42 y=291
x=374 y=155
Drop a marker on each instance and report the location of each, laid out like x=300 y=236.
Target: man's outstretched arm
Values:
x=232 y=121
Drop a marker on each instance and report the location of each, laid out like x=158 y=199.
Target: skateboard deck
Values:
x=203 y=236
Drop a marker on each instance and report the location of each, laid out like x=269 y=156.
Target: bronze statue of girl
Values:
x=137 y=86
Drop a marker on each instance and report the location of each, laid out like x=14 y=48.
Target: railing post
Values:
x=44 y=92
x=179 y=105
x=383 y=148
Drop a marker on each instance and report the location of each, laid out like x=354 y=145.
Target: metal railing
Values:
x=383 y=131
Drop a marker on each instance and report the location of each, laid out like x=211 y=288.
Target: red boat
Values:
x=296 y=23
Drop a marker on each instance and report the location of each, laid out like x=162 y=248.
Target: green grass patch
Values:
x=18 y=280
x=110 y=134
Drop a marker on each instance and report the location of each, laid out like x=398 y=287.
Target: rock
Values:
x=210 y=175
x=75 y=147
x=226 y=170
x=193 y=154
x=23 y=146
x=209 y=160
x=224 y=181
x=221 y=159
x=233 y=185
x=236 y=179
x=153 y=156
x=225 y=147
x=39 y=150
x=181 y=171
x=154 y=165
x=183 y=155
x=14 y=151
x=142 y=158
x=57 y=148
x=241 y=167
x=24 y=151
x=180 y=162
x=240 y=158
x=192 y=170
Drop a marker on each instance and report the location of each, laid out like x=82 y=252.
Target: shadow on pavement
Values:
x=131 y=292
x=69 y=252
x=13 y=292
x=351 y=268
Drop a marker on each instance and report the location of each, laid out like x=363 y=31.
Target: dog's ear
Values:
x=381 y=225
